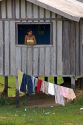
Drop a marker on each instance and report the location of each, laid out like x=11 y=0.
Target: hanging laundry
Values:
x=20 y=76
x=59 y=99
x=44 y=87
x=60 y=80
x=36 y=81
x=33 y=81
x=29 y=85
x=67 y=93
x=51 y=89
x=23 y=84
x=39 y=83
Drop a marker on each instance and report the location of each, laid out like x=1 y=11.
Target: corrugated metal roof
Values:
x=71 y=9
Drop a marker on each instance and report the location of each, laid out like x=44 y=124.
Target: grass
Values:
x=10 y=115
x=68 y=115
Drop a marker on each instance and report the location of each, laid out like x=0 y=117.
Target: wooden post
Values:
x=5 y=92
x=17 y=93
x=73 y=83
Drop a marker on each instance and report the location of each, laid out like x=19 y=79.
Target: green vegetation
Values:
x=10 y=115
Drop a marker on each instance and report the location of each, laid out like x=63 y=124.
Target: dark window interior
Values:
x=41 y=32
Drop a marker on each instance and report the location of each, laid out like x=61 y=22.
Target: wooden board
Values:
x=29 y=10
x=3 y=9
x=29 y=61
x=41 y=61
x=35 y=11
x=17 y=9
x=6 y=48
x=47 y=61
x=81 y=48
x=9 y=8
x=23 y=13
x=18 y=59
x=53 y=50
x=1 y=48
x=66 y=47
x=53 y=61
x=72 y=48
x=59 y=48
x=24 y=60
x=12 y=48
x=35 y=61
x=47 y=15
x=77 y=50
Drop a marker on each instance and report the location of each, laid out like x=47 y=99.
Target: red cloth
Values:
x=39 y=83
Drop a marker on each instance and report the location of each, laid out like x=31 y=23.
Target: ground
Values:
x=49 y=115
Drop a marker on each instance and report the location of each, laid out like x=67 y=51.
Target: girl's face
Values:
x=30 y=33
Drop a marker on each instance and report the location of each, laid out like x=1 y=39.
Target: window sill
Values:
x=34 y=46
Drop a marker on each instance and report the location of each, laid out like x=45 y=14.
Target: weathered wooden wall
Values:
x=62 y=57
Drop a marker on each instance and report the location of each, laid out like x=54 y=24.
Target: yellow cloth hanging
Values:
x=60 y=80
x=20 y=76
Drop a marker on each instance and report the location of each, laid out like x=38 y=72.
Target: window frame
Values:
x=33 y=23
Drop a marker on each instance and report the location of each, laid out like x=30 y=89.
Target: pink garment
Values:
x=67 y=93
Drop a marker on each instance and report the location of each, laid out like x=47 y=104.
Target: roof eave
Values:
x=57 y=11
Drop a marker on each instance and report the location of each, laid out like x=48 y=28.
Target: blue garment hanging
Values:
x=23 y=84
x=29 y=85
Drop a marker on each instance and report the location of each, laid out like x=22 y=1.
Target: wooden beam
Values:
x=5 y=92
x=73 y=83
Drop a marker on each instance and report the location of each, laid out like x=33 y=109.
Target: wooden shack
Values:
x=60 y=50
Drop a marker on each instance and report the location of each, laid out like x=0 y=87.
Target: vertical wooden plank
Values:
x=12 y=49
x=1 y=59
x=53 y=15
x=41 y=14
x=6 y=42
x=77 y=50
x=17 y=9
x=0 y=11
x=35 y=61
x=59 y=47
x=73 y=83
x=1 y=48
x=29 y=61
x=9 y=8
x=13 y=9
x=47 y=61
x=53 y=61
x=3 y=9
x=81 y=48
x=35 y=12
x=72 y=48
x=24 y=60
x=18 y=59
x=29 y=10
x=6 y=86
x=47 y=15
x=23 y=13
x=66 y=48
x=53 y=51
x=41 y=61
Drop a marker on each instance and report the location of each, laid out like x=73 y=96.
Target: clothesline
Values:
x=27 y=84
